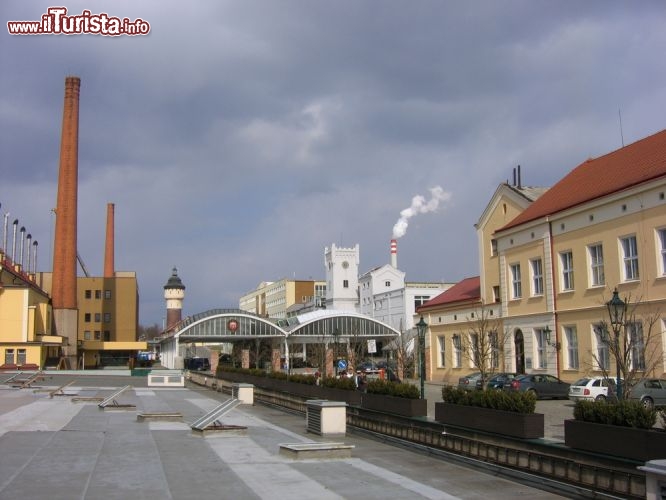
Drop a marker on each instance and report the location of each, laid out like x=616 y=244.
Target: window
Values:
x=86 y=335
x=21 y=359
x=541 y=345
x=496 y=293
x=662 y=250
x=637 y=345
x=107 y=336
x=86 y=317
x=9 y=356
x=493 y=247
x=419 y=300
x=515 y=281
x=107 y=294
x=572 y=347
x=493 y=339
x=603 y=355
x=597 y=265
x=630 y=251
x=98 y=294
x=88 y=294
x=387 y=283
x=474 y=350
x=107 y=317
x=457 y=351
x=442 y=351
x=567 y=270
x=98 y=335
x=537 y=277
x=345 y=283
x=98 y=317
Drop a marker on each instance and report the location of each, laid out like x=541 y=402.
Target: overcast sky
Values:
x=240 y=138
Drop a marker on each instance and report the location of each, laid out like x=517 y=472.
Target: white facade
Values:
x=342 y=277
x=385 y=296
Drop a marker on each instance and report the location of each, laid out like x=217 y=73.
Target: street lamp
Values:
x=422 y=325
x=547 y=331
x=336 y=336
x=617 y=309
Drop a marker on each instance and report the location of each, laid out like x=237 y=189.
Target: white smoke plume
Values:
x=419 y=206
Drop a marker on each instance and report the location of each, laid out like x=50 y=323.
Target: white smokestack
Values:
x=419 y=206
x=394 y=253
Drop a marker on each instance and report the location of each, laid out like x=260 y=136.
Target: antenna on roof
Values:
x=619 y=112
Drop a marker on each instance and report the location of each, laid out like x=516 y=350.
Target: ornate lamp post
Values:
x=422 y=326
x=336 y=336
x=617 y=310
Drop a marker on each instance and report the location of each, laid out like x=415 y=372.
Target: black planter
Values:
x=391 y=404
x=507 y=423
x=303 y=390
x=626 y=442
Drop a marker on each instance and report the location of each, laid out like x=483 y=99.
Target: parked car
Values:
x=366 y=366
x=592 y=389
x=650 y=392
x=543 y=386
x=497 y=380
x=468 y=382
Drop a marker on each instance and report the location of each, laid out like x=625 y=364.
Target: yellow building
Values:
x=552 y=264
x=25 y=320
x=108 y=320
x=272 y=298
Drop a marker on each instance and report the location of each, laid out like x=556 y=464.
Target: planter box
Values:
x=303 y=390
x=391 y=404
x=626 y=442
x=507 y=423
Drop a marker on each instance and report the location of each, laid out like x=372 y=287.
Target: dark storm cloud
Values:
x=240 y=138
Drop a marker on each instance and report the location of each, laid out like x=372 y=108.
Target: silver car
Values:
x=650 y=392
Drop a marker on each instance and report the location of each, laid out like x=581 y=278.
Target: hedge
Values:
x=518 y=402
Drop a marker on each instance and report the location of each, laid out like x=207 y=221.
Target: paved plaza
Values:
x=54 y=448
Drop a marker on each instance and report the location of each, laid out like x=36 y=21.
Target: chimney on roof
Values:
x=109 y=248
x=394 y=253
x=514 y=176
x=520 y=185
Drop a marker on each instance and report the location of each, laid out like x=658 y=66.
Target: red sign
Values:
x=232 y=325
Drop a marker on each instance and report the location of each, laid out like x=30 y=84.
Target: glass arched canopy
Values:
x=227 y=325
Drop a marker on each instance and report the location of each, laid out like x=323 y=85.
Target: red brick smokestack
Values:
x=109 y=266
x=63 y=291
x=64 y=255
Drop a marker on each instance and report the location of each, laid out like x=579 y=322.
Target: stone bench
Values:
x=304 y=451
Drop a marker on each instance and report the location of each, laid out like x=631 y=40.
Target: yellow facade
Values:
x=25 y=320
x=560 y=287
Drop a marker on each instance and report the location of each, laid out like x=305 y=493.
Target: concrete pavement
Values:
x=57 y=449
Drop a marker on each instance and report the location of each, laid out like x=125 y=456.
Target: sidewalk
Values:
x=53 y=448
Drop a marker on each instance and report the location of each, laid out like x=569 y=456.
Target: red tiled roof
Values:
x=634 y=164
x=463 y=291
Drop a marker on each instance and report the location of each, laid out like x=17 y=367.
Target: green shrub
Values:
x=345 y=383
x=623 y=413
x=400 y=390
x=518 y=402
x=303 y=379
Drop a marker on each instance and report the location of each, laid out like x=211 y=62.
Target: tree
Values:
x=148 y=332
x=629 y=339
x=483 y=343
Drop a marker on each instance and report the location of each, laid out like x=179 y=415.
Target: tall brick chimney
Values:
x=109 y=248
x=63 y=292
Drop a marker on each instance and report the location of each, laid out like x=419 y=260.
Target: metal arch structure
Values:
x=326 y=324
x=228 y=325
x=217 y=325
